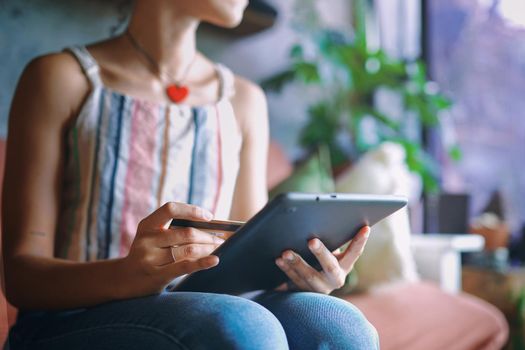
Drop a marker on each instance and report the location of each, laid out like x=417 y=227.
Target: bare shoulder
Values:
x=54 y=82
x=249 y=104
x=247 y=93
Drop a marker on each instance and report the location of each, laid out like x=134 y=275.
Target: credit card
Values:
x=213 y=225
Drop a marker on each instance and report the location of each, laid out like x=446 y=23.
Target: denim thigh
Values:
x=177 y=320
x=317 y=321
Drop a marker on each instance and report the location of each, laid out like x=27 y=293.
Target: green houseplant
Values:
x=349 y=76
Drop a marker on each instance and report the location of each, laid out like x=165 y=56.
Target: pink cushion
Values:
x=417 y=316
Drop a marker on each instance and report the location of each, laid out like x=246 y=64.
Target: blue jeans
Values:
x=182 y=320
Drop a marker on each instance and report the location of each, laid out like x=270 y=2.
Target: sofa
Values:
x=431 y=314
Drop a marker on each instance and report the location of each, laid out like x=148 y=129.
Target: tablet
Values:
x=221 y=228
x=289 y=221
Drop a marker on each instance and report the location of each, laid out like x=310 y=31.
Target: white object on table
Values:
x=438 y=256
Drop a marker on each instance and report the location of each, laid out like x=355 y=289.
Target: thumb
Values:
x=354 y=249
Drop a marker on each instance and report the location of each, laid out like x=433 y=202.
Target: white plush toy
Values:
x=387 y=257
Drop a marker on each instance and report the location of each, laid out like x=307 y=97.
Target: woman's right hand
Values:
x=160 y=253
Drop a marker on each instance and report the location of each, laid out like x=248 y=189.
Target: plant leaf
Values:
x=297 y=52
x=455 y=153
x=307 y=71
x=276 y=82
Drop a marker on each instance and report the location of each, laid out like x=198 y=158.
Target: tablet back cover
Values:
x=247 y=259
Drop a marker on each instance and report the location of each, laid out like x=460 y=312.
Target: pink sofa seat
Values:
x=421 y=316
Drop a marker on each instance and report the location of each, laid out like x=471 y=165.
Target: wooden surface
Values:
x=501 y=289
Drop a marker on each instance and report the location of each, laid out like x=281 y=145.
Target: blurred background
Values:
x=441 y=79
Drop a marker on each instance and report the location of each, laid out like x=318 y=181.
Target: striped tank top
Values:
x=125 y=157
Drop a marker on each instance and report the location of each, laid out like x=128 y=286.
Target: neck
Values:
x=168 y=35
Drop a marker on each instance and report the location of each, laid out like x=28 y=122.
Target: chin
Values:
x=231 y=22
x=229 y=14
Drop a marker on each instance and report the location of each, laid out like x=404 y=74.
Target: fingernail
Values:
x=367 y=232
x=213 y=260
x=288 y=256
x=315 y=244
x=279 y=262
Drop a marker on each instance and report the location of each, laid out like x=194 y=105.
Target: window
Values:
x=476 y=52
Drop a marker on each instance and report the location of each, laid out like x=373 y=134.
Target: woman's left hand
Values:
x=335 y=266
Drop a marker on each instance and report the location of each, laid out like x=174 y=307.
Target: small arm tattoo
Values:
x=38 y=233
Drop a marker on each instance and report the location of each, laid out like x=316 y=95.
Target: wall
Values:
x=34 y=27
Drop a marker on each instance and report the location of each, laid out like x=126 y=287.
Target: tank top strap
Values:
x=226 y=82
x=88 y=64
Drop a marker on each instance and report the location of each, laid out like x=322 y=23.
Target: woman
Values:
x=101 y=136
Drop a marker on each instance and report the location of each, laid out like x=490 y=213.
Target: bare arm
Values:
x=48 y=96
x=251 y=111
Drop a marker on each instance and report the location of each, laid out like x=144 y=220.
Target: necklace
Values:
x=175 y=89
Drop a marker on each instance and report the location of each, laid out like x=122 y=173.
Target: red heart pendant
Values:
x=177 y=93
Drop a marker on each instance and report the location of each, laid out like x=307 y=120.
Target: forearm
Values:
x=39 y=283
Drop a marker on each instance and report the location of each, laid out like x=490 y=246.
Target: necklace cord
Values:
x=154 y=64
